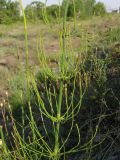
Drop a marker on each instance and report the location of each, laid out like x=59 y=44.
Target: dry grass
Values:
x=12 y=49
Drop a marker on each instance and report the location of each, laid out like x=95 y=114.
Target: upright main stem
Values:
x=57 y=126
x=64 y=37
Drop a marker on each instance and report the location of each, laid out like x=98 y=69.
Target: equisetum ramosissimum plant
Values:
x=58 y=105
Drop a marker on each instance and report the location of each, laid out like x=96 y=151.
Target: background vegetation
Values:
x=10 y=10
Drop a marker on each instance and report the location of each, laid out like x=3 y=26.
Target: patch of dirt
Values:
x=54 y=45
x=76 y=42
x=7 y=43
x=9 y=61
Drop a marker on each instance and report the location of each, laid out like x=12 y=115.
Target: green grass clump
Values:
x=113 y=35
x=1 y=34
x=17 y=86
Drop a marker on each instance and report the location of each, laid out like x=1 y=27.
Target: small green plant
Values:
x=100 y=71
